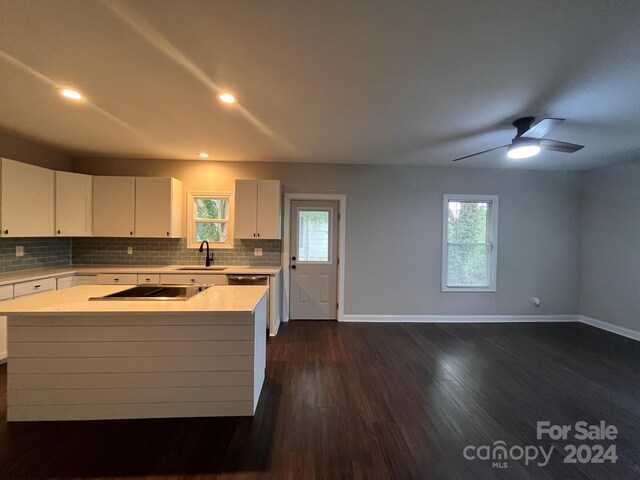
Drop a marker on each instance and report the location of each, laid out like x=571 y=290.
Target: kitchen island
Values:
x=74 y=359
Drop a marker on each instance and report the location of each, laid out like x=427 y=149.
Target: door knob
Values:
x=293 y=258
x=293 y=267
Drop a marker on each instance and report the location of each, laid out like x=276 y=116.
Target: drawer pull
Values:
x=116 y=279
x=37 y=286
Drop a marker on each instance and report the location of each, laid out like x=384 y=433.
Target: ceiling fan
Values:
x=528 y=142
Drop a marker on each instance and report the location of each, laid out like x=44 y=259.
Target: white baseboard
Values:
x=458 y=318
x=610 y=327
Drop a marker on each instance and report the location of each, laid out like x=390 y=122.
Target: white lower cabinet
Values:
x=86 y=280
x=66 y=282
x=34 y=286
x=195 y=279
x=151 y=278
x=117 y=279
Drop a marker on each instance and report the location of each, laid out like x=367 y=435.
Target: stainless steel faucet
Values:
x=209 y=258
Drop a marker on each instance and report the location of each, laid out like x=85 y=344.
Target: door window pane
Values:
x=313 y=235
x=212 y=232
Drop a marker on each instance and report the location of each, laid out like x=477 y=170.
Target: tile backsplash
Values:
x=169 y=251
x=38 y=253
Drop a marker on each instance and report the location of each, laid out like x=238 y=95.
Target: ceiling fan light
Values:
x=523 y=149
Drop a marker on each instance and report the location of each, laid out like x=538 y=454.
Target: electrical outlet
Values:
x=19 y=251
x=257 y=252
x=129 y=250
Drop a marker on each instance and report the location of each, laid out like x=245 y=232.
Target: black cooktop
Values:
x=155 y=292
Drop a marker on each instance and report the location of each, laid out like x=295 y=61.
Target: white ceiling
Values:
x=393 y=82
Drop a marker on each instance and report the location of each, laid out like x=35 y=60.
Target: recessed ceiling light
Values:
x=203 y=155
x=72 y=94
x=524 y=148
x=227 y=98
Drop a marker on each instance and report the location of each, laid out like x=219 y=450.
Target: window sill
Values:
x=468 y=290
x=212 y=246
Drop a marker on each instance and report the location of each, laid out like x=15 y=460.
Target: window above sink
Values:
x=210 y=219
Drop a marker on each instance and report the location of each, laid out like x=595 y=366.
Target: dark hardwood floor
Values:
x=371 y=401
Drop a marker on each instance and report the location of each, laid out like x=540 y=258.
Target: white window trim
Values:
x=493 y=240
x=191 y=221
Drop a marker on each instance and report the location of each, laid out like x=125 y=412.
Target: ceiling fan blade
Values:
x=480 y=153
x=543 y=127
x=557 y=146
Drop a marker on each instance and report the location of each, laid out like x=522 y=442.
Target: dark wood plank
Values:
x=370 y=401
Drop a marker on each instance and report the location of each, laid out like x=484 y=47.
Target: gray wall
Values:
x=610 y=243
x=22 y=149
x=394 y=229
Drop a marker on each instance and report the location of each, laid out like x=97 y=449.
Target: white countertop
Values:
x=75 y=301
x=26 y=275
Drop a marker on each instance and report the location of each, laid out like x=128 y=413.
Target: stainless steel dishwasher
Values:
x=253 y=280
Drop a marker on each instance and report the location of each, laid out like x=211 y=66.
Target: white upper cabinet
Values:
x=257 y=209
x=269 y=209
x=158 y=207
x=246 y=212
x=114 y=208
x=27 y=200
x=74 y=199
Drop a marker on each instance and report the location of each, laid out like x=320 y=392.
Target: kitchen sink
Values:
x=207 y=269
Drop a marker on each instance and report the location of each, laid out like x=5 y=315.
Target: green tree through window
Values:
x=469 y=243
x=211 y=217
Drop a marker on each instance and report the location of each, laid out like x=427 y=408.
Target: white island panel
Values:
x=83 y=362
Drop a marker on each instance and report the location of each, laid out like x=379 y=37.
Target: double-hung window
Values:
x=210 y=219
x=469 y=250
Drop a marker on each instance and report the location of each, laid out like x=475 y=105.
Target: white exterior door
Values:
x=314 y=260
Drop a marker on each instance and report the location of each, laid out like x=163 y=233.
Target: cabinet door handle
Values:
x=130 y=233
x=192 y=280
x=253 y=234
x=6 y=232
x=58 y=232
x=167 y=234
x=258 y=234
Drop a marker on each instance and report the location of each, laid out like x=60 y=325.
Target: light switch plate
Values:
x=257 y=252
x=129 y=250
x=19 y=251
